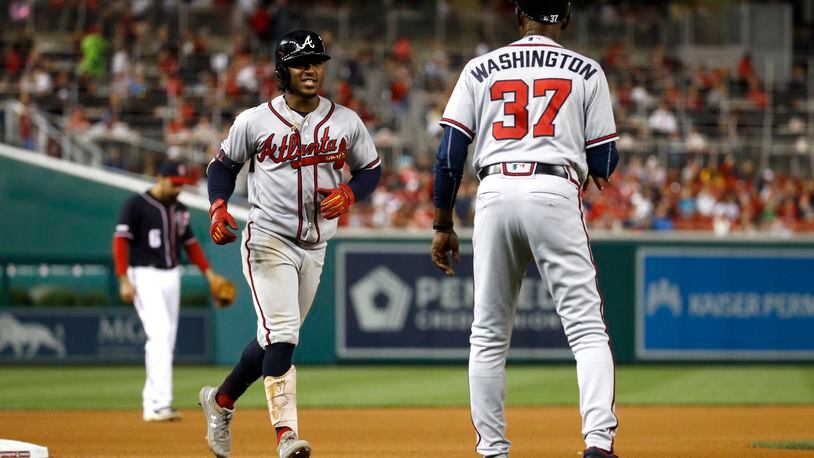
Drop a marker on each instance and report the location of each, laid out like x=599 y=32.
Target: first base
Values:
x=17 y=449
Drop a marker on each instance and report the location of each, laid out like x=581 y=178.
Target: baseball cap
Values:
x=176 y=171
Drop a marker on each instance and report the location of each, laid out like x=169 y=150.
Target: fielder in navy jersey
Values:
x=297 y=146
x=151 y=229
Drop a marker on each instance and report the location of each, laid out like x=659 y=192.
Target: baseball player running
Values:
x=296 y=146
x=542 y=122
x=150 y=231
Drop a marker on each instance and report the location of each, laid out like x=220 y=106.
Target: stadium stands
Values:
x=707 y=145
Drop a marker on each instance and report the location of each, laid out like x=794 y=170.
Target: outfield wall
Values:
x=666 y=298
x=678 y=297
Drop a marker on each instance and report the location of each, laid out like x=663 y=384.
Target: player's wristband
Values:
x=436 y=226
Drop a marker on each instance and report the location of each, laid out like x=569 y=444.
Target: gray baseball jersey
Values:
x=556 y=103
x=526 y=103
x=293 y=156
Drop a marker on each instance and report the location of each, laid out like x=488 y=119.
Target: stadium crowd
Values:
x=644 y=195
x=688 y=133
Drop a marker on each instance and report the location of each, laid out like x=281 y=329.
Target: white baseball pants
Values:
x=518 y=219
x=157 y=302
x=283 y=279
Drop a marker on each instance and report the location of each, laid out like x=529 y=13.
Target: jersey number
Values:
x=154 y=238
x=518 y=106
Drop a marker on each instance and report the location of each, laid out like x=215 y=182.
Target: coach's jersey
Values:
x=156 y=231
x=532 y=101
x=293 y=156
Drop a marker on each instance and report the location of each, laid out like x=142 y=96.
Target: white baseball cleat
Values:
x=218 y=422
x=292 y=446
x=162 y=414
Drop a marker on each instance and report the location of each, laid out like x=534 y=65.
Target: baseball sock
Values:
x=281 y=431
x=277 y=360
x=247 y=370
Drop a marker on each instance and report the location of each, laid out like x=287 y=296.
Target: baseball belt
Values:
x=525 y=169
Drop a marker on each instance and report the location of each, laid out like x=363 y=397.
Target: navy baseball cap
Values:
x=176 y=171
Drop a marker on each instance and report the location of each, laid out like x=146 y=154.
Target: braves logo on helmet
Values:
x=297 y=45
x=305 y=43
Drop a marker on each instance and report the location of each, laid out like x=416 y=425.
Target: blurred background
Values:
x=703 y=240
x=713 y=99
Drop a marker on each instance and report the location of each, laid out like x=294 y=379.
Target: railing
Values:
x=47 y=136
x=44 y=137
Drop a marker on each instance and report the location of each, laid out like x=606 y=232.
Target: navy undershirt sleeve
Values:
x=602 y=159
x=220 y=181
x=364 y=182
x=449 y=167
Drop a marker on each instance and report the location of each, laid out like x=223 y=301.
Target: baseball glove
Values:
x=223 y=291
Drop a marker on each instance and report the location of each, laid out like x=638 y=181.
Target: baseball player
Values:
x=150 y=231
x=296 y=145
x=542 y=122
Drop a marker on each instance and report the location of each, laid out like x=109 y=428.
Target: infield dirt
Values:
x=413 y=432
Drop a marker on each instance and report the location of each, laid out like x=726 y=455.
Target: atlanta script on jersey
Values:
x=293 y=156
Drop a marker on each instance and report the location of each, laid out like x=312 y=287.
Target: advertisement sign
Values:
x=393 y=303
x=92 y=335
x=734 y=303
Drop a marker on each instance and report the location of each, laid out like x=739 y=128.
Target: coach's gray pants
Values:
x=518 y=219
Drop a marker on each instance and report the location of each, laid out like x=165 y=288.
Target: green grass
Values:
x=59 y=388
x=790 y=445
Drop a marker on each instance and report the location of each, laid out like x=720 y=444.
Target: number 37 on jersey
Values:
x=532 y=101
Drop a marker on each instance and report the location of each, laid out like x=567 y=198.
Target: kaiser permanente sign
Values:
x=725 y=304
x=393 y=303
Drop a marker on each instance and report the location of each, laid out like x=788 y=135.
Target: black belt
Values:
x=539 y=168
x=155 y=266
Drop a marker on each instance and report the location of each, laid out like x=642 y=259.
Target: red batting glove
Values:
x=220 y=218
x=337 y=201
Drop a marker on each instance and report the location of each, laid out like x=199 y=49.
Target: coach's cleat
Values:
x=292 y=446
x=162 y=414
x=218 y=422
x=596 y=452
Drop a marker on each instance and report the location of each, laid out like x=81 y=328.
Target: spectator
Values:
x=120 y=65
x=77 y=124
x=203 y=133
x=37 y=82
x=27 y=129
x=746 y=70
x=403 y=50
x=114 y=159
x=261 y=22
x=641 y=96
x=111 y=128
x=756 y=95
x=13 y=61
x=663 y=122
x=696 y=142
x=93 y=48
x=662 y=221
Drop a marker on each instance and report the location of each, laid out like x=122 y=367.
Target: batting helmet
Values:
x=294 y=46
x=544 y=11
